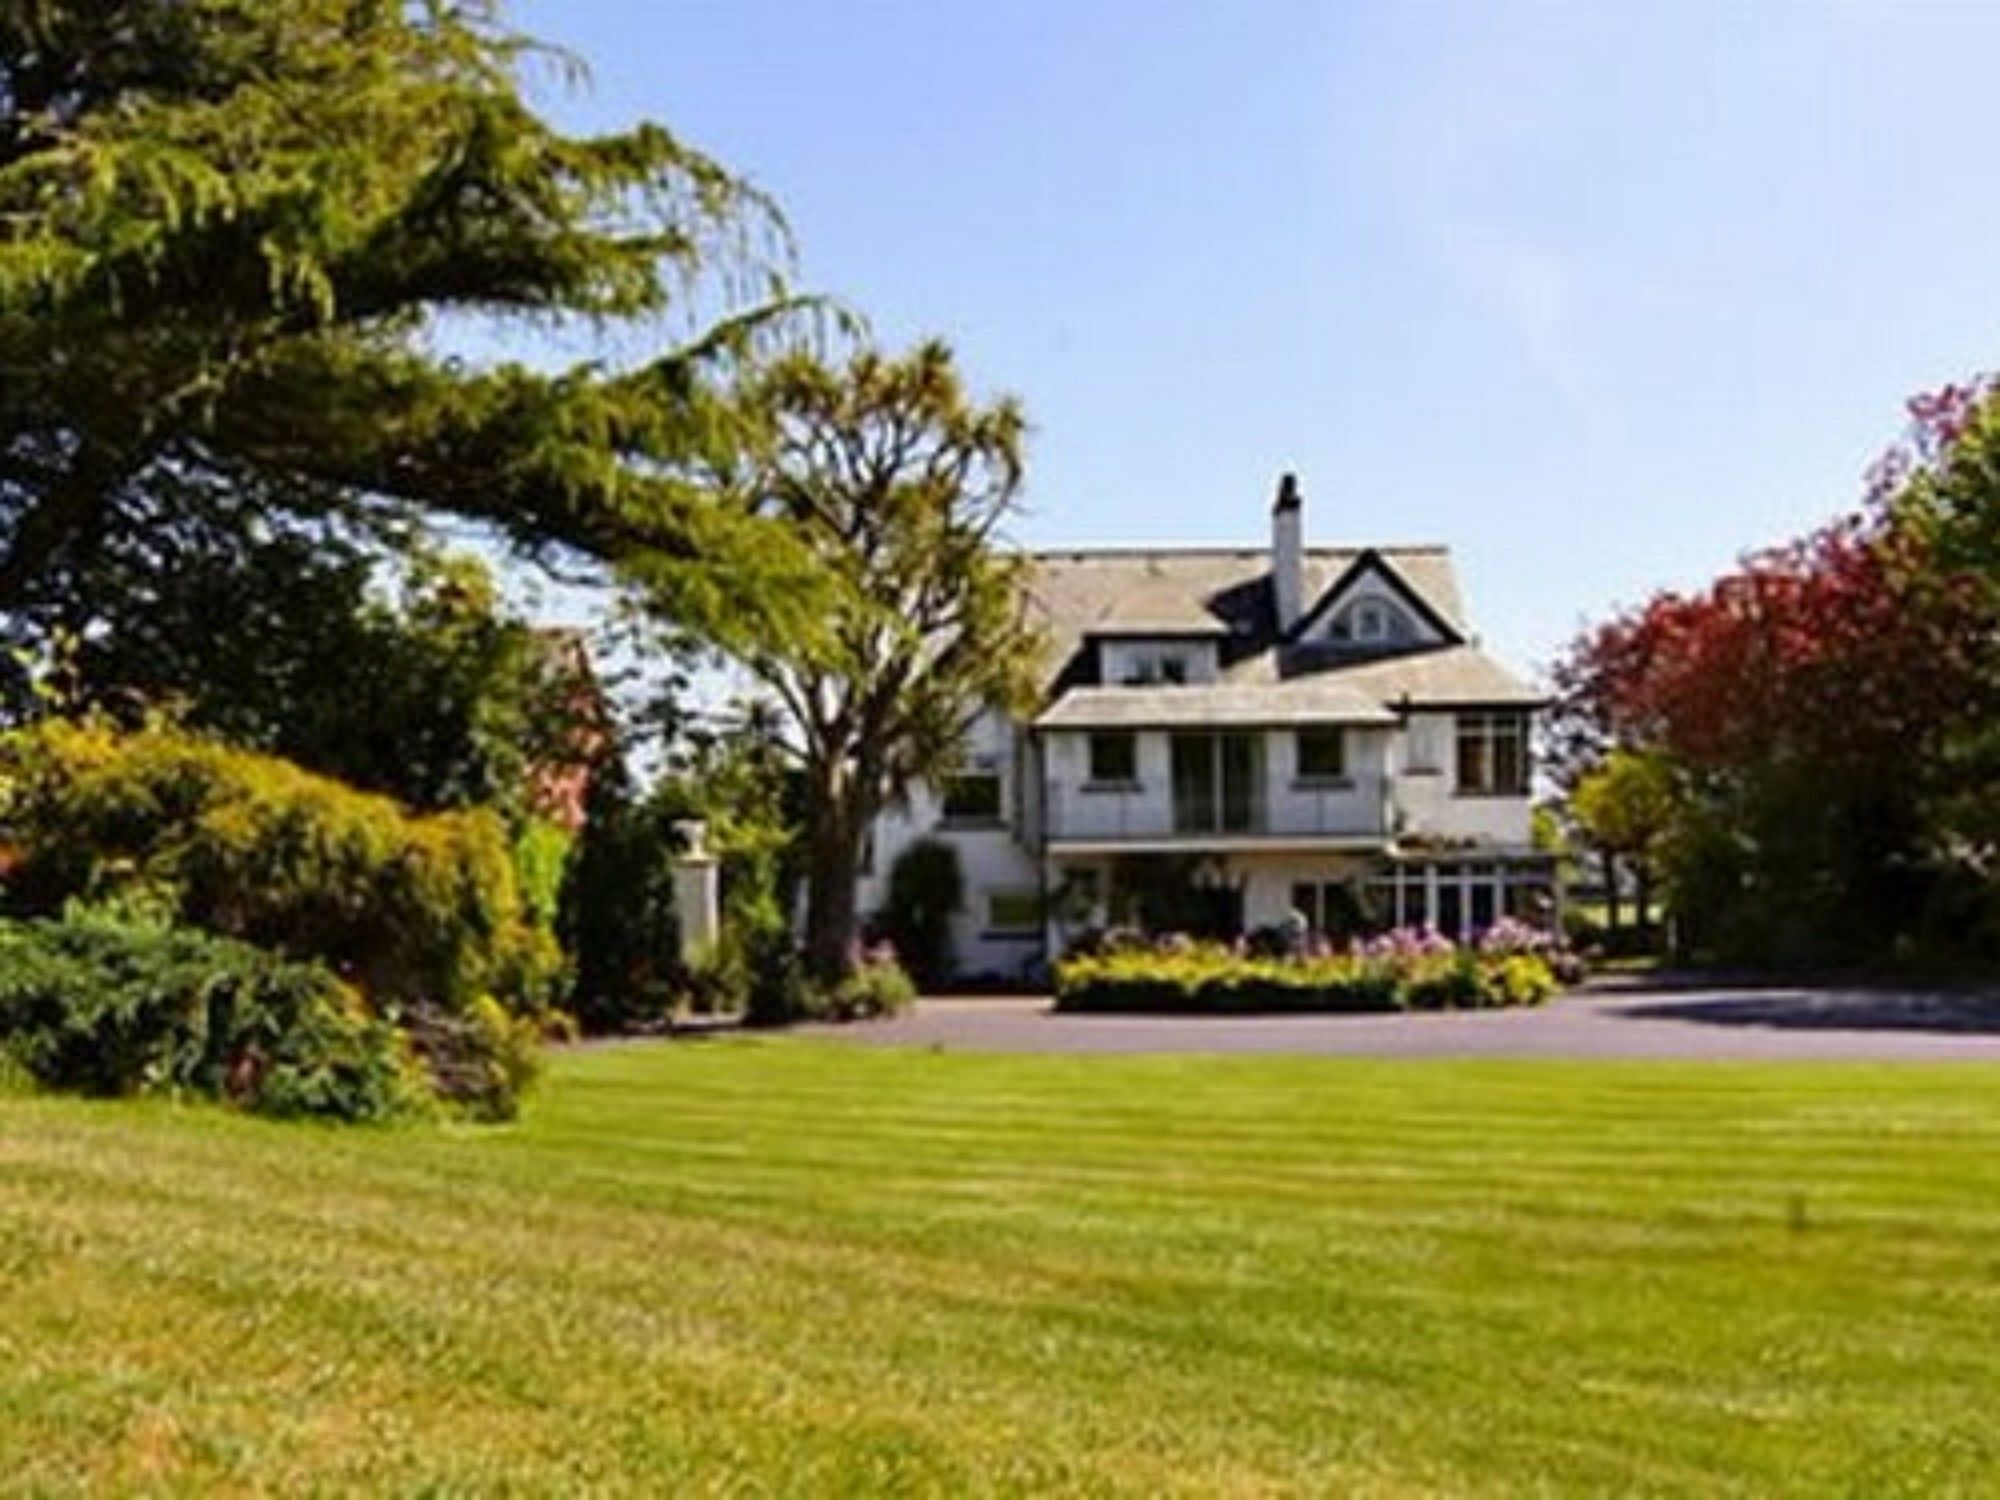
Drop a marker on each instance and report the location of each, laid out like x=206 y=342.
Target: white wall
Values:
x=1353 y=807
x=990 y=859
x=1426 y=796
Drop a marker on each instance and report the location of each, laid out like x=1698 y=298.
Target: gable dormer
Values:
x=1372 y=608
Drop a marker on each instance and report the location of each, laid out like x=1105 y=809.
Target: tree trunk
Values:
x=833 y=867
x=1642 y=892
x=1611 y=904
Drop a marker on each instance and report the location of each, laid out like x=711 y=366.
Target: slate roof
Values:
x=1322 y=700
x=1225 y=592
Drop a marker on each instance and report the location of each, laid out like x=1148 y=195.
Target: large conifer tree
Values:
x=230 y=231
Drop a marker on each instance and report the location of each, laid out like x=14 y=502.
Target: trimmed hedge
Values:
x=1212 y=980
x=100 y=1004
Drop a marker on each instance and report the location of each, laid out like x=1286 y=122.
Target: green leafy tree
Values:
x=1944 y=484
x=407 y=675
x=898 y=482
x=615 y=914
x=239 y=237
x=1625 y=809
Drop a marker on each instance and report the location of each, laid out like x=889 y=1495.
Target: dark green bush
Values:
x=104 y=1004
x=926 y=886
x=615 y=910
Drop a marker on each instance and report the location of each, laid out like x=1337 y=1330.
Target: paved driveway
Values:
x=1606 y=1020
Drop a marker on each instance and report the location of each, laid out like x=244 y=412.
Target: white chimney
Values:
x=1288 y=553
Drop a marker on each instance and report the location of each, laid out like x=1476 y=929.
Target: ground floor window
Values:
x=1462 y=898
x=1013 y=911
x=1331 y=907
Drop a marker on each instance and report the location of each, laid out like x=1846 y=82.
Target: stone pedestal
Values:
x=697 y=886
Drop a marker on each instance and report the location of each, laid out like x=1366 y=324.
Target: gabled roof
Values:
x=1225 y=592
x=1370 y=560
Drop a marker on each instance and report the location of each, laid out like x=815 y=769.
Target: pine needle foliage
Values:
x=230 y=231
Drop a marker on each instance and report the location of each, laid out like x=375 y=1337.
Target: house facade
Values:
x=1229 y=736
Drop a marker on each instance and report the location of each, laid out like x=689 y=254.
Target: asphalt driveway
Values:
x=1616 y=1019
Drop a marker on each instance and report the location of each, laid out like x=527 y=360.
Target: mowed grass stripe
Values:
x=773 y=1266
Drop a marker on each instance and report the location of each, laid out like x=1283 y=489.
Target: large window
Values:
x=1493 y=754
x=1114 y=758
x=1216 y=782
x=1322 y=755
x=1462 y=899
x=973 y=797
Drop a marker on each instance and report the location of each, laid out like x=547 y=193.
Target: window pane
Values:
x=1482 y=906
x=1304 y=904
x=1451 y=911
x=1112 y=758
x=1510 y=753
x=1322 y=754
x=1013 y=911
x=973 y=797
x=1475 y=754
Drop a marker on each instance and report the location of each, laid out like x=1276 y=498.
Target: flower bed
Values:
x=1404 y=970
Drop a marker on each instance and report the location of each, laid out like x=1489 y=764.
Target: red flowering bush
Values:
x=1810 y=704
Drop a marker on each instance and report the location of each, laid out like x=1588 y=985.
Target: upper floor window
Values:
x=1167 y=667
x=1493 y=754
x=1322 y=755
x=1114 y=757
x=972 y=797
x=1371 y=622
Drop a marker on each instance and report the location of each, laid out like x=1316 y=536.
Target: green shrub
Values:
x=1442 y=982
x=413 y=910
x=615 y=907
x=926 y=886
x=877 y=987
x=102 y=1004
x=482 y=1059
x=541 y=850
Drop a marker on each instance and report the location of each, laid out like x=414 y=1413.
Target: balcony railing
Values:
x=1147 y=814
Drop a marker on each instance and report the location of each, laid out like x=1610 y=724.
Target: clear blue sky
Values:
x=1600 y=295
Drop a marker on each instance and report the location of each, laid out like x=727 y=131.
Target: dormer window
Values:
x=1370 y=622
x=1153 y=666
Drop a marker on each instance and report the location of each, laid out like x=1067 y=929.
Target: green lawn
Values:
x=784 y=1267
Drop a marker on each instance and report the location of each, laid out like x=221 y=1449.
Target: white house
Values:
x=1229 y=736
